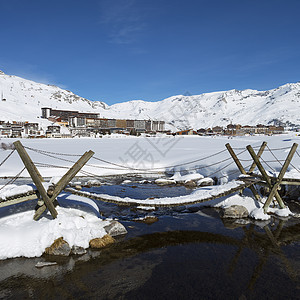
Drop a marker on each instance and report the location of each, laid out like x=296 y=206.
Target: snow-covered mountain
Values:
x=25 y=98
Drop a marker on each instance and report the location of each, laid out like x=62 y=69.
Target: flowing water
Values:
x=181 y=253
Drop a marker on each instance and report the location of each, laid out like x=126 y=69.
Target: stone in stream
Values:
x=59 y=247
x=115 y=228
x=99 y=243
x=235 y=212
x=42 y=264
x=78 y=250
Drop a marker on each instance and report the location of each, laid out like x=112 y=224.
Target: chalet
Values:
x=187 y=132
x=16 y=130
x=201 y=131
x=233 y=129
x=5 y=129
x=276 y=129
x=53 y=131
x=32 y=130
x=217 y=130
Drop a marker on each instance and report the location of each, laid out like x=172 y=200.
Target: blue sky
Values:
x=120 y=50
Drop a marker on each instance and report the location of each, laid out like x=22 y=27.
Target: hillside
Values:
x=25 y=98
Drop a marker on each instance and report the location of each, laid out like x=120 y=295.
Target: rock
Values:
x=179 y=208
x=78 y=250
x=99 y=243
x=162 y=181
x=205 y=182
x=147 y=220
x=93 y=182
x=59 y=247
x=78 y=187
x=147 y=208
x=42 y=264
x=193 y=209
x=190 y=184
x=115 y=228
x=235 y=212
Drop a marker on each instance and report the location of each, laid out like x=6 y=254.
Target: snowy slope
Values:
x=25 y=98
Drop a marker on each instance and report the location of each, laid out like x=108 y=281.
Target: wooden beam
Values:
x=265 y=176
x=20 y=199
x=63 y=182
x=280 y=177
x=236 y=160
x=36 y=177
x=259 y=153
x=242 y=170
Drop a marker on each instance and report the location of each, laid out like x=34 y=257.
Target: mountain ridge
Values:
x=25 y=98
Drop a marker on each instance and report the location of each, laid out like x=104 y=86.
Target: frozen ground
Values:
x=21 y=236
x=118 y=154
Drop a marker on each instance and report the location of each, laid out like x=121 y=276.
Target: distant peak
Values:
x=2 y=73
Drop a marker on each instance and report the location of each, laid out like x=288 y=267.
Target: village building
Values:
x=5 y=129
x=140 y=125
x=121 y=124
x=32 y=130
x=187 y=132
x=53 y=131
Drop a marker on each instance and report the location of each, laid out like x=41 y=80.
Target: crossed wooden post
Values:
x=241 y=168
x=273 y=186
x=38 y=179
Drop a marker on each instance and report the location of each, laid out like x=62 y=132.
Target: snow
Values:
x=177 y=177
x=183 y=157
x=20 y=235
x=12 y=189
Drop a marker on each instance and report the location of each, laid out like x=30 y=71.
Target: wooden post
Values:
x=280 y=177
x=62 y=183
x=259 y=153
x=36 y=177
x=242 y=170
x=266 y=177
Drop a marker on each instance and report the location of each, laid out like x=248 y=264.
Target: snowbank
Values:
x=20 y=235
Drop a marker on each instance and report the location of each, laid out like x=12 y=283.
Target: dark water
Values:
x=188 y=253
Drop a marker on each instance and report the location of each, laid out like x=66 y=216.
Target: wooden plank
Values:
x=160 y=204
x=18 y=200
x=63 y=182
x=36 y=177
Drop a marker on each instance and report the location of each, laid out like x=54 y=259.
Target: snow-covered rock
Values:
x=163 y=181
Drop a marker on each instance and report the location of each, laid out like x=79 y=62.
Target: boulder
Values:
x=99 y=243
x=59 y=247
x=235 y=212
x=115 y=228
